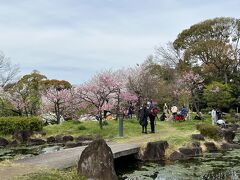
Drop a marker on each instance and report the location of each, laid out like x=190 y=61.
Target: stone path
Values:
x=61 y=159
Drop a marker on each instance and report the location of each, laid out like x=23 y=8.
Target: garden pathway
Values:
x=60 y=160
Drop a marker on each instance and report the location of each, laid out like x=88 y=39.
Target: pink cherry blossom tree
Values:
x=106 y=91
x=99 y=91
x=57 y=95
x=189 y=85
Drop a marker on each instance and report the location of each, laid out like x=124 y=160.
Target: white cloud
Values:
x=71 y=39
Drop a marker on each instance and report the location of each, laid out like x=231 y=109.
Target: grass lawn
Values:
x=176 y=133
x=69 y=174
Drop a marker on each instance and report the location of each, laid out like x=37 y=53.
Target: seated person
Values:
x=163 y=117
x=184 y=111
x=108 y=116
x=221 y=123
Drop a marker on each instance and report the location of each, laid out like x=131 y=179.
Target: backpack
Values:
x=154 y=111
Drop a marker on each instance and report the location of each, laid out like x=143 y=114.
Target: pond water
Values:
x=213 y=166
x=23 y=151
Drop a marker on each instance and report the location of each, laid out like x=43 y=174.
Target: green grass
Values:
x=190 y=124
x=53 y=175
x=173 y=132
x=109 y=131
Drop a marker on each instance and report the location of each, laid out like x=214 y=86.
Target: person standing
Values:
x=152 y=115
x=130 y=110
x=214 y=116
x=143 y=118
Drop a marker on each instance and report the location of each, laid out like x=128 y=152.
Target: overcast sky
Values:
x=73 y=39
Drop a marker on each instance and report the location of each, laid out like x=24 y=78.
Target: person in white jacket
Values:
x=214 y=117
x=174 y=111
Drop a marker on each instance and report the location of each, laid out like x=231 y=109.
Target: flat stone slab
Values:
x=68 y=157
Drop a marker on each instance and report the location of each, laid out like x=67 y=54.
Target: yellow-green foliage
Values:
x=229 y=119
x=54 y=175
x=209 y=130
x=10 y=124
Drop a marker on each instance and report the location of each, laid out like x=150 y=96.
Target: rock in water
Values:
x=22 y=135
x=14 y=143
x=211 y=147
x=67 y=138
x=177 y=156
x=51 y=139
x=154 y=151
x=96 y=162
x=35 y=142
x=228 y=135
x=3 y=142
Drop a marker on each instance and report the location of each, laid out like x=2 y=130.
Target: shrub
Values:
x=228 y=118
x=9 y=124
x=210 y=131
x=82 y=127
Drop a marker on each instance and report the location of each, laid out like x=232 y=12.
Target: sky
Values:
x=74 y=39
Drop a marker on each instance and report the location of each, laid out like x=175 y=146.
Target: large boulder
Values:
x=22 y=135
x=196 y=144
x=198 y=137
x=59 y=138
x=228 y=146
x=154 y=151
x=13 y=143
x=35 y=142
x=96 y=162
x=73 y=144
x=191 y=152
x=51 y=140
x=211 y=147
x=228 y=135
x=67 y=138
x=3 y=142
x=177 y=156
x=51 y=118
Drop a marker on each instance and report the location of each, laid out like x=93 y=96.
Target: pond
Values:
x=24 y=151
x=213 y=166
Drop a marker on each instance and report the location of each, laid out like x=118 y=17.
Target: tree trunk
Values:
x=195 y=104
x=225 y=78
x=57 y=112
x=100 y=120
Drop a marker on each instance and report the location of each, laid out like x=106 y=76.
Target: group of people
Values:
x=148 y=110
x=176 y=116
x=217 y=117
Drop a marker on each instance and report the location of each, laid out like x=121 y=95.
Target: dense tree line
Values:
x=200 y=69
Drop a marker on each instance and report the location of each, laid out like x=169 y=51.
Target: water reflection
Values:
x=218 y=166
x=23 y=151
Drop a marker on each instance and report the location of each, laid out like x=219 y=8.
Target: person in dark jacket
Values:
x=184 y=111
x=152 y=115
x=130 y=110
x=143 y=118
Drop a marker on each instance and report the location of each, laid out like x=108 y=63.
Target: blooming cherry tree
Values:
x=57 y=95
x=188 y=86
x=98 y=91
x=106 y=90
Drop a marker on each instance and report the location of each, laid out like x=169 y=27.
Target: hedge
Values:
x=210 y=131
x=10 y=124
